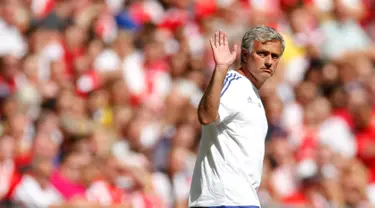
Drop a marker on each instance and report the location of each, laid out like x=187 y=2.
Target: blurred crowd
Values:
x=98 y=100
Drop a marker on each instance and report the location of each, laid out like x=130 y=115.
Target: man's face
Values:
x=73 y=167
x=43 y=168
x=263 y=59
x=44 y=146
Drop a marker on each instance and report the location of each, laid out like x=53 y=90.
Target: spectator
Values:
x=35 y=189
x=67 y=179
x=9 y=174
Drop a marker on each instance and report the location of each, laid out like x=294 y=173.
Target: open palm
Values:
x=222 y=54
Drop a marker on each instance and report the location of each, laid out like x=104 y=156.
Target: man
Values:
x=229 y=164
x=35 y=188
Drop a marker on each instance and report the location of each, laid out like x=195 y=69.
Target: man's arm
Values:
x=224 y=58
x=209 y=104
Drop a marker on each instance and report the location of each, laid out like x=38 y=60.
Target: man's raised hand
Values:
x=223 y=56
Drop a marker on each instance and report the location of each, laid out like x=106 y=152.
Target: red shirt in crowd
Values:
x=67 y=188
x=365 y=145
x=9 y=178
x=106 y=194
x=345 y=115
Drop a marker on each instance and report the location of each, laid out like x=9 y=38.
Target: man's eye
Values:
x=262 y=54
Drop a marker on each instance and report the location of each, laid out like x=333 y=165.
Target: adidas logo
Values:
x=250 y=100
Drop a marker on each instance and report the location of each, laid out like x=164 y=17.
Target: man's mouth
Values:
x=267 y=70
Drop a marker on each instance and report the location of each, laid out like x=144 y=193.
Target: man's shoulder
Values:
x=233 y=84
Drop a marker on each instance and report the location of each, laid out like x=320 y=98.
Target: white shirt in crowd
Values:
x=334 y=128
x=12 y=42
x=6 y=172
x=230 y=160
x=29 y=194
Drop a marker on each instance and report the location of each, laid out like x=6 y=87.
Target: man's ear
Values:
x=245 y=55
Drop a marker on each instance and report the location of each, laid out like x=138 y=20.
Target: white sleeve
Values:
x=230 y=102
x=226 y=111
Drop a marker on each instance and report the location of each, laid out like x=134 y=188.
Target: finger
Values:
x=212 y=43
x=216 y=39
x=221 y=37
x=225 y=39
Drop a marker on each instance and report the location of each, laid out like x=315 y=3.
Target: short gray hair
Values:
x=262 y=34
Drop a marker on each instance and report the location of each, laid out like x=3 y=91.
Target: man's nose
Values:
x=268 y=62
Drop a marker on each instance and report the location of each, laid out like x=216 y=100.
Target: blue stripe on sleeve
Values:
x=228 y=84
x=227 y=77
x=227 y=80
